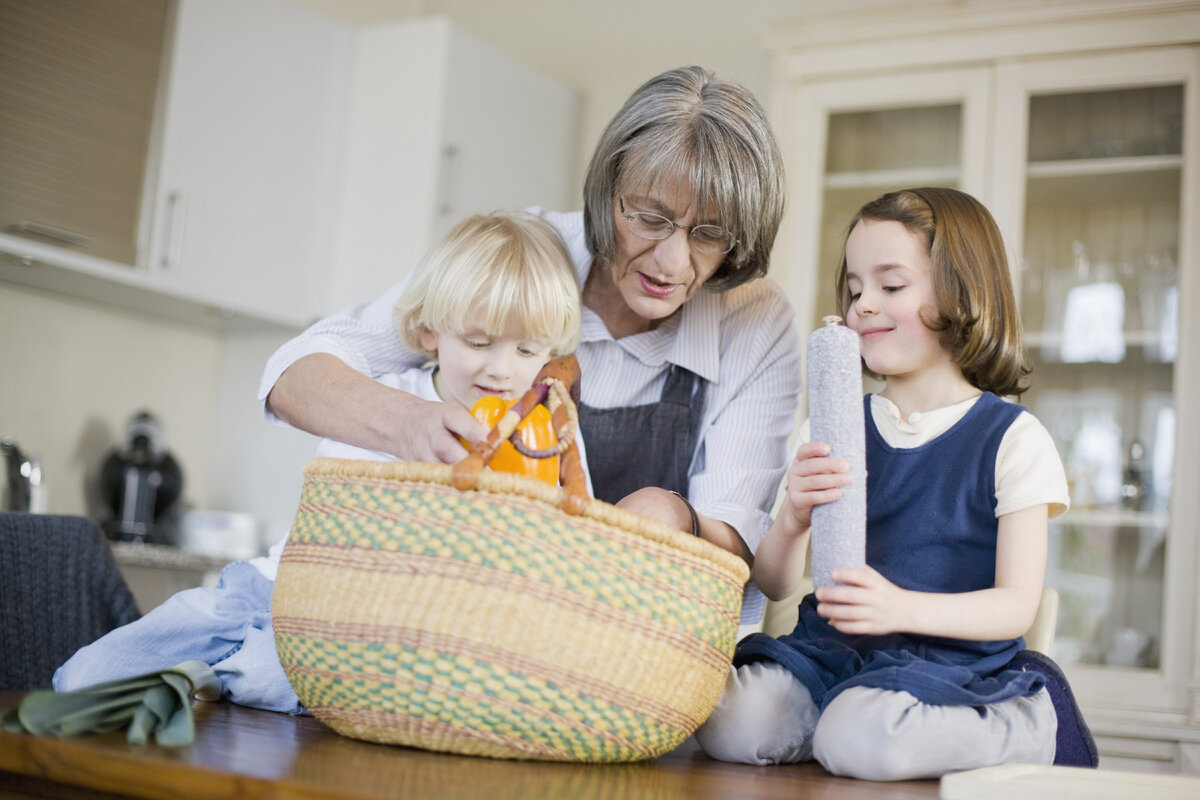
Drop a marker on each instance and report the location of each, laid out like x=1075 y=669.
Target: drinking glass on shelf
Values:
x=1158 y=291
x=1094 y=322
x=1084 y=312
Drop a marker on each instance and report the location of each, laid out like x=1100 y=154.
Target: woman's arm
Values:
x=322 y=382
x=673 y=510
x=871 y=604
x=750 y=414
x=322 y=395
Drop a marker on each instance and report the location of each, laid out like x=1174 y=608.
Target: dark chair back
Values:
x=59 y=590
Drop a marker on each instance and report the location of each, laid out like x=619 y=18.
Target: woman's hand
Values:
x=430 y=431
x=658 y=504
x=668 y=508
x=320 y=394
x=865 y=604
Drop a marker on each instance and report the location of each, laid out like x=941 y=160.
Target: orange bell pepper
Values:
x=536 y=432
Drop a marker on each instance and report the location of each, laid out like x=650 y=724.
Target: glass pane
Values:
x=1109 y=579
x=894 y=138
x=1122 y=122
x=873 y=152
x=1098 y=288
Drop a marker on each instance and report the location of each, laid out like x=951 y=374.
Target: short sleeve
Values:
x=1029 y=470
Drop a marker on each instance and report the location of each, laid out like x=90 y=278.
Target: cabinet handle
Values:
x=59 y=235
x=449 y=179
x=175 y=214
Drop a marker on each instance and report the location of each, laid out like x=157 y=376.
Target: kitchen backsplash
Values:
x=74 y=372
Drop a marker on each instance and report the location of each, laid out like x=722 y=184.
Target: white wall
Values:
x=72 y=373
x=256 y=466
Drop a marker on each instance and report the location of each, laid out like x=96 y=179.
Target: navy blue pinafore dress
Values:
x=931 y=527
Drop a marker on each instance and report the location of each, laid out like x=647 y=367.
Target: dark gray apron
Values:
x=632 y=447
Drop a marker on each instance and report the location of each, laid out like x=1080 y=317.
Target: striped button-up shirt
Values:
x=744 y=342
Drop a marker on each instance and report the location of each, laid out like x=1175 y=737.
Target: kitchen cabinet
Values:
x=440 y=126
x=241 y=209
x=1078 y=125
x=68 y=67
x=236 y=214
x=298 y=164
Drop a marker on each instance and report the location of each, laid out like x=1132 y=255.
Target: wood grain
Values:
x=245 y=753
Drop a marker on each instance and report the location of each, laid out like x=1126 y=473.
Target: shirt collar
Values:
x=690 y=338
x=923 y=425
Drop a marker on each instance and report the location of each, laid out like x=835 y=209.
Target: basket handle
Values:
x=561 y=375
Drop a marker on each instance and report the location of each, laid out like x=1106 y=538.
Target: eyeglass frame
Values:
x=672 y=225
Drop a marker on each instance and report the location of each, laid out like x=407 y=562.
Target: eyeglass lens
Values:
x=711 y=239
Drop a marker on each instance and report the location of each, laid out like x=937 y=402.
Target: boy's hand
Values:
x=868 y=604
x=813 y=479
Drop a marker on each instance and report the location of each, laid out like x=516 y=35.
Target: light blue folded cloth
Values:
x=227 y=626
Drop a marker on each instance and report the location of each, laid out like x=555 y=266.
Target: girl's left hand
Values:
x=868 y=604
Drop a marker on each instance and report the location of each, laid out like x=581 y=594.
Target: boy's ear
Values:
x=428 y=340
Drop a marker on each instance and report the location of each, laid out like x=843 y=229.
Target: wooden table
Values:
x=244 y=753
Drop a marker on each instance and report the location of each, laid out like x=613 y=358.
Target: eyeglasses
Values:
x=710 y=239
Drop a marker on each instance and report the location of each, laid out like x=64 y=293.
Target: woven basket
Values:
x=489 y=622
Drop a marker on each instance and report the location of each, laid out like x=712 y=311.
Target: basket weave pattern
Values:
x=489 y=622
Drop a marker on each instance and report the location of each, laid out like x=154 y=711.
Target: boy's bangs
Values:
x=498 y=306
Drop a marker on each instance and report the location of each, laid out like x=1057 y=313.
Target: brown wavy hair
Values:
x=976 y=314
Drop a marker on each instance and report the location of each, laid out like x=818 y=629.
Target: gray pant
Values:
x=766 y=716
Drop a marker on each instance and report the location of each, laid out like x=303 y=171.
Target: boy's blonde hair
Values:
x=488 y=271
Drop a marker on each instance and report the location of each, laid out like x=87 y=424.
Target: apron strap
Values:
x=646 y=445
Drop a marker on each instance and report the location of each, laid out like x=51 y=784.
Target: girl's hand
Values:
x=813 y=479
x=869 y=604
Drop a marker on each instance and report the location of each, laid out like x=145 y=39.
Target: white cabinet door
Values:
x=509 y=136
x=439 y=126
x=396 y=90
x=242 y=206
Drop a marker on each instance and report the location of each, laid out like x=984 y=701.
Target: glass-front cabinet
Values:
x=1095 y=171
x=858 y=138
x=1084 y=147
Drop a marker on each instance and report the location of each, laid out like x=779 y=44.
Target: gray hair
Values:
x=687 y=125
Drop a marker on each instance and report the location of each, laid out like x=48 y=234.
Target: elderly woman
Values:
x=690 y=363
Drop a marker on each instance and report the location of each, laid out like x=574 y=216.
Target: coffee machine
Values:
x=141 y=484
x=22 y=489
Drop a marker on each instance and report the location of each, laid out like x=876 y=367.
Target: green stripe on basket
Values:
x=370 y=571
x=402 y=687
x=441 y=522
